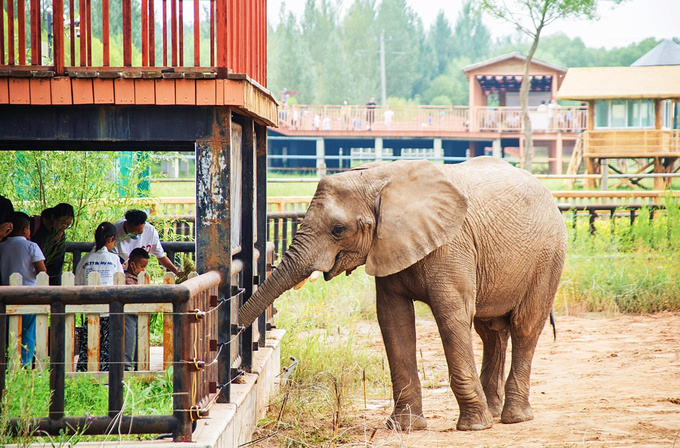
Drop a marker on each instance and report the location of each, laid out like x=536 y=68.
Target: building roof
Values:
x=513 y=55
x=666 y=53
x=593 y=83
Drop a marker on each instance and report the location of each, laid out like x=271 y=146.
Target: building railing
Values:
x=617 y=143
x=69 y=36
x=335 y=118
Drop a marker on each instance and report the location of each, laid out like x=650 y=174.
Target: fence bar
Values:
x=72 y=28
x=262 y=221
x=89 y=33
x=145 y=33
x=212 y=33
x=152 y=34
x=2 y=36
x=165 y=33
x=127 y=33
x=10 y=32
x=126 y=424
x=57 y=359
x=3 y=345
x=180 y=25
x=35 y=32
x=117 y=358
x=197 y=36
x=21 y=18
x=181 y=375
x=105 y=34
x=173 y=30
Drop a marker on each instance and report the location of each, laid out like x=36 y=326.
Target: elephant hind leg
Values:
x=526 y=324
x=494 y=335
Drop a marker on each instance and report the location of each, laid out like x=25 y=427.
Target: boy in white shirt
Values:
x=19 y=254
x=133 y=232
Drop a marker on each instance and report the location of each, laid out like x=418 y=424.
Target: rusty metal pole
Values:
x=213 y=227
x=261 y=213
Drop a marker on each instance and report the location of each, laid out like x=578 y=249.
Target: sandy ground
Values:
x=605 y=382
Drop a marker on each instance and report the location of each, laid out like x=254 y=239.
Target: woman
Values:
x=106 y=264
x=48 y=231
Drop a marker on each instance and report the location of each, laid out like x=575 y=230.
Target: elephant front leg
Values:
x=396 y=317
x=457 y=340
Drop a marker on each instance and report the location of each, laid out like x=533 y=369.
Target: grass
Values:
x=27 y=395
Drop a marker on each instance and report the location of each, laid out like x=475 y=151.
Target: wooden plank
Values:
x=42 y=328
x=219 y=92
x=143 y=342
x=15 y=332
x=61 y=91
x=124 y=91
x=83 y=92
x=103 y=91
x=4 y=90
x=40 y=91
x=185 y=91
x=145 y=91
x=206 y=92
x=165 y=91
x=19 y=91
x=233 y=93
x=21 y=17
x=168 y=346
x=93 y=348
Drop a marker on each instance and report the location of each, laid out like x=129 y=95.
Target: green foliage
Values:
x=36 y=180
x=623 y=267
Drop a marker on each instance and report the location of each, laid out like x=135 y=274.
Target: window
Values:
x=667 y=117
x=622 y=114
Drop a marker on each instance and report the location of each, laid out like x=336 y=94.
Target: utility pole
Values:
x=383 y=89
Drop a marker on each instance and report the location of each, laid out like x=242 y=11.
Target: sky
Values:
x=617 y=26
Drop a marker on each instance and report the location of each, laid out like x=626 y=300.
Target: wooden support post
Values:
x=261 y=212
x=213 y=226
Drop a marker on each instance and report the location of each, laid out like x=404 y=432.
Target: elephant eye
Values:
x=338 y=230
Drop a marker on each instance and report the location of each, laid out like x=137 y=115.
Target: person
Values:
x=133 y=232
x=49 y=232
x=100 y=259
x=19 y=254
x=389 y=116
x=105 y=263
x=345 y=113
x=541 y=116
x=370 y=113
x=6 y=211
x=136 y=264
x=326 y=126
x=553 y=108
x=316 y=122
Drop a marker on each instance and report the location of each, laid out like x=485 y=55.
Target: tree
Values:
x=441 y=40
x=530 y=17
x=472 y=38
x=361 y=43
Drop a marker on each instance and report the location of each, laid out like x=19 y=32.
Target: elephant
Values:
x=481 y=242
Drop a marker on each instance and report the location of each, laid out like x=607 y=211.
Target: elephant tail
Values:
x=552 y=322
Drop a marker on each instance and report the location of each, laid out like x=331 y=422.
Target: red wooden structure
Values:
x=237 y=36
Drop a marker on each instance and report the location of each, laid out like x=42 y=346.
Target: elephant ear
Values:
x=418 y=210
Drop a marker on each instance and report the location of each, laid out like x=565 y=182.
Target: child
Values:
x=106 y=264
x=19 y=254
x=137 y=262
x=100 y=259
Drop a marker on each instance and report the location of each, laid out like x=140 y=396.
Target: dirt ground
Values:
x=605 y=382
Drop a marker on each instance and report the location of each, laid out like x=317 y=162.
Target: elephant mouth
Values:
x=337 y=269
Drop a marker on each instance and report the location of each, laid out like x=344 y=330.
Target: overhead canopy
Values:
x=489 y=83
x=666 y=53
x=597 y=83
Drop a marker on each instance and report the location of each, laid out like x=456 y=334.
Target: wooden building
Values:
x=632 y=117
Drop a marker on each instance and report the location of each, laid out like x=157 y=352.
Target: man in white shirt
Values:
x=133 y=232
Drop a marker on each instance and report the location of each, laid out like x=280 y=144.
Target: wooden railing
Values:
x=195 y=351
x=223 y=36
x=618 y=143
x=334 y=118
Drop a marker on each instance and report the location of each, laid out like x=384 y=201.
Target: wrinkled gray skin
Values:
x=481 y=243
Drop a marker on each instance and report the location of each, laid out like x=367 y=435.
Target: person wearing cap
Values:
x=133 y=232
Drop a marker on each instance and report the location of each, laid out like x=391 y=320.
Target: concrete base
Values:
x=230 y=424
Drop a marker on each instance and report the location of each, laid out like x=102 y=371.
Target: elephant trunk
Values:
x=287 y=274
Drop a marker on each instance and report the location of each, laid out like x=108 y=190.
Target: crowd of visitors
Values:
x=30 y=245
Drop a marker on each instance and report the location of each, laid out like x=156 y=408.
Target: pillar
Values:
x=496 y=149
x=378 y=149
x=438 y=150
x=320 y=157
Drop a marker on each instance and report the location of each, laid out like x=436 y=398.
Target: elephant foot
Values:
x=516 y=414
x=406 y=422
x=475 y=421
x=495 y=406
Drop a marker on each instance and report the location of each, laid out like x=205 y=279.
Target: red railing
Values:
x=227 y=36
x=430 y=118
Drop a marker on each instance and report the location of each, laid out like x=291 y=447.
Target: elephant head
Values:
x=385 y=215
